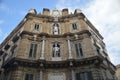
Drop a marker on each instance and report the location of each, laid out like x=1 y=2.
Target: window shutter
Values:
x=77 y=51
x=35 y=50
x=80 y=49
x=31 y=50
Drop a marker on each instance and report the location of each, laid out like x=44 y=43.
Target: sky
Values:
x=103 y=14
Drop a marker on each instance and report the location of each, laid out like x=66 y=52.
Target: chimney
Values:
x=46 y=11
x=65 y=12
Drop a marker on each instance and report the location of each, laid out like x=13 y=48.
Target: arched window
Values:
x=55 y=29
x=56 y=51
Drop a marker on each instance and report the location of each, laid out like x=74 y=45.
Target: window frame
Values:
x=87 y=75
x=37 y=27
x=29 y=76
x=78 y=49
x=32 y=55
x=74 y=26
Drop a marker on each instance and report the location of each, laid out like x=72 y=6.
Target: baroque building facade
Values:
x=55 y=45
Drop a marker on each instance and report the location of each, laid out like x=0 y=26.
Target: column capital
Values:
x=68 y=37
x=42 y=57
x=43 y=37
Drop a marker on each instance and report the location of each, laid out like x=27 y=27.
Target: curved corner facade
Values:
x=55 y=45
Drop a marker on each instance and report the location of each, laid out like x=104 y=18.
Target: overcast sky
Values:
x=103 y=14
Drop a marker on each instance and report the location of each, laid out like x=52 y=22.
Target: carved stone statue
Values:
x=56 y=51
x=55 y=29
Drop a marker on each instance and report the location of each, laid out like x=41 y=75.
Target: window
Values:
x=7 y=47
x=33 y=50
x=55 y=29
x=56 y=50
x=1 y=53
x=6 y=76
x=78 y=48
x=98 y=51
x=74 y=26
x=15 y=39
x=84 y=76
x=13 y=48
x=29 y=77
x=36 y=27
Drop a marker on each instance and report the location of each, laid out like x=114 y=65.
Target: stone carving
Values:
x=55 y=29
x=56 y=76
x=56 y=50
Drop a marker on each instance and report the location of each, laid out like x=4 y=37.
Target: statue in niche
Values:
x=56 y=50
x=55 y=29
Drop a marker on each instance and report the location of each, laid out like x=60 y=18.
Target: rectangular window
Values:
x=33 y=50
x=36 y=27
x=98 y=51
x=29 y=77
x=84 y=76
x=74 y=26
x=13 y=48
x=78 y=48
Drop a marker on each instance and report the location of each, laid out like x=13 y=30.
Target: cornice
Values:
x=55 y=36
x=52 y=64
x=91 y=26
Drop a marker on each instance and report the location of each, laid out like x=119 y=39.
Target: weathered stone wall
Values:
x=118 y=72
x=97 y=73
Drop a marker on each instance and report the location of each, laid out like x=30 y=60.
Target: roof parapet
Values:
x=32 y=11
x=65 y=12
x=46 y=11
x=77 y=11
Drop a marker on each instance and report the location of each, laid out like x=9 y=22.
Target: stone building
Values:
x=55 y=45
x=118 y=72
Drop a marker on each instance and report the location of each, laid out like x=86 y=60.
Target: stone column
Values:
x=41 y=75
x=69 y=48
x=43 y=48
x=73 y=74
